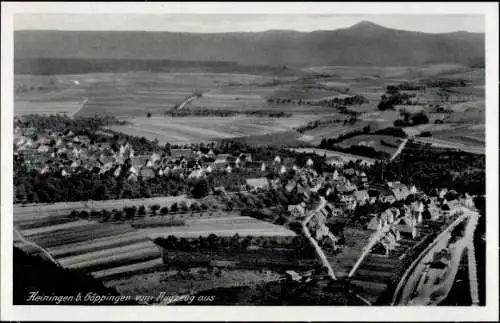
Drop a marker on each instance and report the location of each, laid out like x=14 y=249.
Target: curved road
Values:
x=410 y=281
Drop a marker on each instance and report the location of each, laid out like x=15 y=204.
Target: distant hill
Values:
x=362 y=44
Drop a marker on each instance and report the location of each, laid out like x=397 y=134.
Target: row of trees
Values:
x=34 y=187
x=215 y=243
x=225 y=113
x=331 y=141
x=447 y=83
x=131 y=212
x=393 y=96
x=332 y=103
x=323 y=123
x=60 y=123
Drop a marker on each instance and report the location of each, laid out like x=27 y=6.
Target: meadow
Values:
x=134 y=95
x=201 y=129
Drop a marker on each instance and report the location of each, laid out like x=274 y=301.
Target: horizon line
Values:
x=363 y=22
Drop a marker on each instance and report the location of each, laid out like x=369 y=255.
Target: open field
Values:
x=196 y=129
x=276 y=139
x=50 y=107
x=314 y=136
x=224 y=226
x=137 y=93
x=40 y=215
x=124 y=94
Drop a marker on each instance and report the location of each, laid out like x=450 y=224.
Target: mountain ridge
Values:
x=364 y=43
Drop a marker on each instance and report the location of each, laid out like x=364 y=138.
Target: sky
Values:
x=220 y=23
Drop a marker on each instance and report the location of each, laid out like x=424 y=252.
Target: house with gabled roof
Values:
x=349 y=172
x=222 y=159
x=105 y=168
x=400 y=191
x=297 y=210
x=197 y=173
x=103 y=146
x=75 y=164
x=362 y=197
x=347 y=202
x=258 y=183
x=43 y=149
x=334 y=161
x=139 y=161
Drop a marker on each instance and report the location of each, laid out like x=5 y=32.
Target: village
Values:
x=389 y=219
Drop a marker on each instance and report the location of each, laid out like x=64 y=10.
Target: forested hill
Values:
x=362 y=44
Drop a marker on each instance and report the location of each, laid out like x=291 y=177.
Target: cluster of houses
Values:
x=347 y=189
x=66 y=154
x=351 y=187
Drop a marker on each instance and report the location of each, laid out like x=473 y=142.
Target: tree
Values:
x=195 y=206
x=204 y=206
x=200 y=189
x=117 y=215
x=174 y=207
x=142 y=210
x=183 y=206
x=391 y=89
x=164 y=210
x=154 y=208
x=149 y=114
x=129 y=212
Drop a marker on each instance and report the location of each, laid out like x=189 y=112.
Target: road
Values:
x=82 y=104
x=186 y=102
x=409 y=284
x=400 y=149
x=439 y=143
x=313 y=241
x=473 y=283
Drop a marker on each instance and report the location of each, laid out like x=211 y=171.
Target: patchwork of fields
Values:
x=47 y=108
x=123 y=256
x=197 y=129
x=221 y=226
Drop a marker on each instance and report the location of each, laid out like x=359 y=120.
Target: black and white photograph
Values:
x=163 y=159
